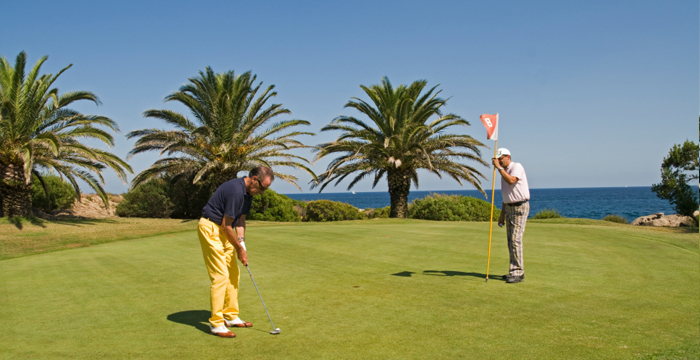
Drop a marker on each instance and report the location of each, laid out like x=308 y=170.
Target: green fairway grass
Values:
x=374 y=289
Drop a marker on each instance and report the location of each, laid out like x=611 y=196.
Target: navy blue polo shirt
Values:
x=229 y=199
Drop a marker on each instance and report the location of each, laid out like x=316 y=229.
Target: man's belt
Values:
x=517 y=203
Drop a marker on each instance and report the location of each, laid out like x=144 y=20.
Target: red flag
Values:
x=491 y=124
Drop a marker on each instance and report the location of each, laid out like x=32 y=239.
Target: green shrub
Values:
x=188 y=199
x=150 y=200
x=679 y=168
x=452 y=208
x=616 y=219
x=327 y=210
x=547 y=214
x=271 y=206
x=378 y=212
x=61 y=194
x=299 y=207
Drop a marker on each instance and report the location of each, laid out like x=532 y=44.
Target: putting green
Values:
x=375 y=289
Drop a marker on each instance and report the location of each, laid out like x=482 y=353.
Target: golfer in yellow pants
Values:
x=222 y=244
x=223 y=271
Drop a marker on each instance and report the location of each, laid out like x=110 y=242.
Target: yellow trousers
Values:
x=220 y=259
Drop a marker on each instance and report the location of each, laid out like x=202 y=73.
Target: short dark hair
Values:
x=262 y=172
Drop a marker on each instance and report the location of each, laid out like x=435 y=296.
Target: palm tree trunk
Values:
x=399 y=187
x=15 y=190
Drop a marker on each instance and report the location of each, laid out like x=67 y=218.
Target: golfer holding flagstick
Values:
x=221 y=232
x=516 y=207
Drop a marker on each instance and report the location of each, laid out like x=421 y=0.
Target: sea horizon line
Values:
x=485 y=190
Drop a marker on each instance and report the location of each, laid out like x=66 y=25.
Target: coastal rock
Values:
x=659 y=219
x=646 y=220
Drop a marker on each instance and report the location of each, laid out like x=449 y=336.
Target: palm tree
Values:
x=226 y=135
x=403 y=141
x=39 y=132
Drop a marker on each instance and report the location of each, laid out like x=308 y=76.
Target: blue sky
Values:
x=590 y=93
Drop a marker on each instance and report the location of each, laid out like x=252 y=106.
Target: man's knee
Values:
x=219 y=279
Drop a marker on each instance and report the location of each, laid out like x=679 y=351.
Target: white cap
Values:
x=501 y=152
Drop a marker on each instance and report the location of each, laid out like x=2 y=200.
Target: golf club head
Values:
x=276 y=331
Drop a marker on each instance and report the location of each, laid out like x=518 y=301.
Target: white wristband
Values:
x=243 y=245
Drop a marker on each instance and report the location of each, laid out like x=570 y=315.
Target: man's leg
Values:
x=234 y=277
x=215 y=261
x=516 y=218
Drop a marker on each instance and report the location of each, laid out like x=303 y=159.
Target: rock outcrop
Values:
x=89 y=206
x=659 y=219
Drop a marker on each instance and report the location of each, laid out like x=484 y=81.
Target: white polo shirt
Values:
x=519 y=191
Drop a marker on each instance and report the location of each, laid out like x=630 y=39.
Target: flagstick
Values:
x=493 y=189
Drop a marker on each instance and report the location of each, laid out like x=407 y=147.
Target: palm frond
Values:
x=231 y=130
x=37 y=129
x=402 y=139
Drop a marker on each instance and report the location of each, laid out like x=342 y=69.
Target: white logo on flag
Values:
x=488 y=122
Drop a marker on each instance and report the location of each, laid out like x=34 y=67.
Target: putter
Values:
x=277 y=330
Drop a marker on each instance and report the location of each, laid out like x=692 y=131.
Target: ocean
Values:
x=589 y=203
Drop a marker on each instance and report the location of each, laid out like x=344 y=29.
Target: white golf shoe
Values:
x=221 y=331
x=237 y=322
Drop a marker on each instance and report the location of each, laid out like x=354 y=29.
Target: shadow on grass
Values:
x=687 y=230
x=460 y=273
x=450 y=273
x=196 y=318
x=82 y=221
x=18 y=221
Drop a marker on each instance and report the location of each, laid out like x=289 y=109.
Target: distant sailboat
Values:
x=353 y=193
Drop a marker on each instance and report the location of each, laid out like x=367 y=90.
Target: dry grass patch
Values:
x=35 y=236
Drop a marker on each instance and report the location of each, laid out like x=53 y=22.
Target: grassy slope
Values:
x=368 y=289
x=35 y=236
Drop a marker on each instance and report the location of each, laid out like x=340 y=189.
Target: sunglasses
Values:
x=261 y=185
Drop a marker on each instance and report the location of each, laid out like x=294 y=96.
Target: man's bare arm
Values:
x=227 y=226
x=502 y=218
x=510 y=179
x=240 y=229
x=501 y=170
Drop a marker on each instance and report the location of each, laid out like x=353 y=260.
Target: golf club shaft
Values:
x=261 y=299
